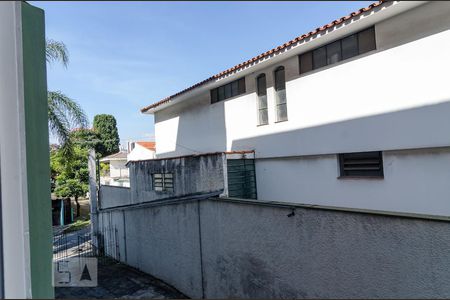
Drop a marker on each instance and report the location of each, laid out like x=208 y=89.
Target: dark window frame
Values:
x=277 y=90
x=361 y=165
x=229 y=90
x=259 y=95
x=359 y=51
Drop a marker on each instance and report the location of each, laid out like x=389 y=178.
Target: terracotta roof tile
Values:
x=148 y=145
x=265 y=54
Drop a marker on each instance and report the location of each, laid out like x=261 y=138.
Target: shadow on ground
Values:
x=116 y=280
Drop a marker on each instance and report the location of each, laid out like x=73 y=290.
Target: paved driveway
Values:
x=116 y=280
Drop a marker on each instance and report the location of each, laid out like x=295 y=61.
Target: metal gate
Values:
x=241 y=178
x=67 y=245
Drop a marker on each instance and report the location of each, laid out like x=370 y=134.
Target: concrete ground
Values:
x=116 y=280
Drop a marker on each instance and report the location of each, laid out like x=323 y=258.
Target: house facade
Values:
x=354 y=114
x=141 y=150
x=118 y=173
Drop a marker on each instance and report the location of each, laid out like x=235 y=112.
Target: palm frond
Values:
x=56 y=51
x=72 y=111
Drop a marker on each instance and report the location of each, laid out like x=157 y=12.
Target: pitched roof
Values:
x=265 y=54
x=148 y=145
x=116 y=156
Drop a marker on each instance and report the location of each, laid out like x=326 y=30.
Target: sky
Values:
x=127 y=55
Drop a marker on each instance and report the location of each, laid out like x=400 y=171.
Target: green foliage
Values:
x=104 y=169
x=70 y=188
x=63 y=112
x=86 y=139
x=56 y=51
x=78 y=225
x=106 y=128
x=70 y=173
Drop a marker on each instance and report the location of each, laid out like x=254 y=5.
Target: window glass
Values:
x=221 y=93
x=280 y=94
x=227 y=91
x=241 y=85
x=214 y=96
x=281 y=112
x=261 y=85
x=234 y=88
x=261 y=90
x=366 y=40
x=306 y=63
x=333 y=52
x=350 y=46
x=319 y=58
x=263 y=117
x=280 y=83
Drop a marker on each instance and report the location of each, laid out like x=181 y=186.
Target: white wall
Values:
x=388 y=99
x=117 y=169
x=393 y=98
x=140 y=153
x=14 y=198
x=415 y=181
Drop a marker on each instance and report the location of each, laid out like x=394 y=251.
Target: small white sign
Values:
x=75 y=272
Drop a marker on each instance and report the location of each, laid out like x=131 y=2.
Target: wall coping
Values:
x=336 y=208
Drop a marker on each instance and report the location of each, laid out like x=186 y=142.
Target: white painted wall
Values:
x=14 y=198
x=388 y=99
x=415 y=181
x=393 y=98
x=118 y=168
x=140 y=153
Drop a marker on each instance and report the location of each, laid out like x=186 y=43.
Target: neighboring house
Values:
x=354 y=114
x=141 y=151
x=118 y=174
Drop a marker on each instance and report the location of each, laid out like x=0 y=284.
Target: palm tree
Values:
x=63 y=113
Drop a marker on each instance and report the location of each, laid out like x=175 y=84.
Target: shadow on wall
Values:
x=200 y=128
x=426 y=126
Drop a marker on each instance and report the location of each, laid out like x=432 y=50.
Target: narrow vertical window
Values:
x=334 y=53
x=306 y=62
x=366 y=40
x=350 y=46
x=280 y=94
x=320 y=57
x=261 y=91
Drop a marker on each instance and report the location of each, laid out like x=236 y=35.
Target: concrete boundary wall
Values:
x=221 y=248
x=114 y=196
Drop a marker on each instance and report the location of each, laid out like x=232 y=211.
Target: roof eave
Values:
x=354 y=23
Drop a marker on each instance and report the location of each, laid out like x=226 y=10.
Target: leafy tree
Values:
x=86 y=139
x=63 y=113
x=71 y=188
x=70 y=170
x=106 y=128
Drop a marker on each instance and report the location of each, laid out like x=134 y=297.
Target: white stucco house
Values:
x=141 y=150
x=118 y=174
x=353 y=114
